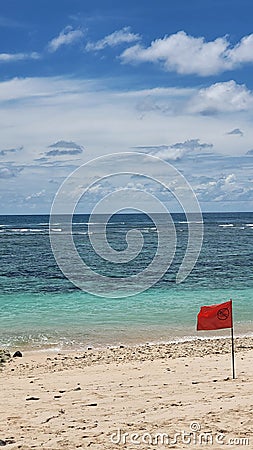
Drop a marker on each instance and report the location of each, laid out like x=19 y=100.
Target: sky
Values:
x=83 y=79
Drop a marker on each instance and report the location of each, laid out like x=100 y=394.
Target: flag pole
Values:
x=233 y=347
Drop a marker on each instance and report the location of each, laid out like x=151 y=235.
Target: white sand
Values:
x=83 y=399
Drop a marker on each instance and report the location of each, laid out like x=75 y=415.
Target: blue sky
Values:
x=80 y=79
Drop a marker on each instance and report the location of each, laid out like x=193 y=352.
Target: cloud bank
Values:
x=67 y=113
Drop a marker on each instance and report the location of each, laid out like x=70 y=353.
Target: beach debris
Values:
x=92 y=404
x=245 y=346
x=78 y=388
x=17 y=354
x=4 y=356
x=61 y=411
x=50 y=418
x=4 y=442
x=32 y=398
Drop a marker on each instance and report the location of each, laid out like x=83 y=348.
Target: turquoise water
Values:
x=40 y=308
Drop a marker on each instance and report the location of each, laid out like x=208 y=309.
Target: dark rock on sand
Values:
x=6 y=441
x=17 y=354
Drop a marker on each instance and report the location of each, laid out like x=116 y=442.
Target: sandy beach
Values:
x=151 y=396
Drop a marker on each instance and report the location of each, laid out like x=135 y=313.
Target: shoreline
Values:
x=81 y=347
x=200 y=347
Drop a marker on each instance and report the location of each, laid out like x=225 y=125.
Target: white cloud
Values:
x=36 y=195
x=223 y=188
x=177 y=151
x=66 y=37
x=186 y=54
x=13 y=57
x=118 y=37
x=243 y=51
x=225 y=97
x=9 y=171
x=221 y=97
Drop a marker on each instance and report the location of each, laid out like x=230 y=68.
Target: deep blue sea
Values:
x=40 y=308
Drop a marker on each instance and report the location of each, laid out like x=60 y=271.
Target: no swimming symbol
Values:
x=223 y=314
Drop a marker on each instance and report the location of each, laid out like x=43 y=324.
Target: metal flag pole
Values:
x=233 y=347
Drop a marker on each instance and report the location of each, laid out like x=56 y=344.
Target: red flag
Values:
x=214 y=317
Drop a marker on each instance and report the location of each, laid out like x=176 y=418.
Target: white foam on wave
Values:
x=190 y=221
x=144 y=230
x=95 y=223
x=225 y=225
x=99 y=223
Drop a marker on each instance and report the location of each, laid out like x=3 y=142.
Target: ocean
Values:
x=41 y=309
